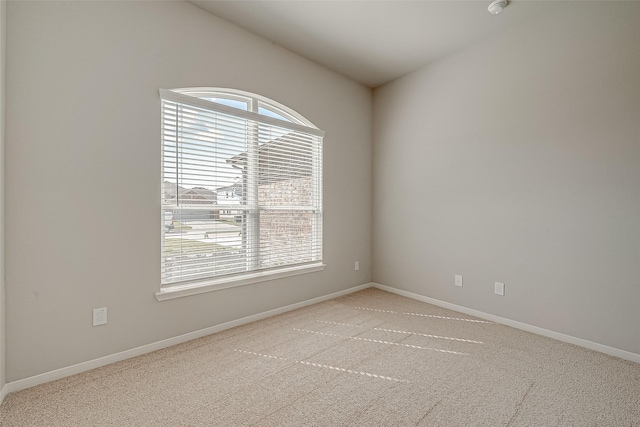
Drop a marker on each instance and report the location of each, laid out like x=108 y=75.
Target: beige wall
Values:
x=3 y=41
x=518 y=161
x=82 y=176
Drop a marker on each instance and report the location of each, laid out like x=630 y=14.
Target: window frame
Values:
x=294 y=121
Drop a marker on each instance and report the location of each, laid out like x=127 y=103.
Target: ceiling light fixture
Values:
x=497 y=6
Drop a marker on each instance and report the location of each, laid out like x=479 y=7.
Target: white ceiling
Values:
x=372 y=42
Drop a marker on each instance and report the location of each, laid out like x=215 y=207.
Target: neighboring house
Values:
x=198 y=196
x=190 y=196
x=284 y=180
x=284 y=172
x=228 y=196
x=169 y=192
x=292 y=168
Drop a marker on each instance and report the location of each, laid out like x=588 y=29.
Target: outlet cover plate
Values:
x=499 y=288
x=99 y=316
x=458 y=280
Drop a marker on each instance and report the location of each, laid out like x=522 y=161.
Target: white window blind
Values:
x=241 y=190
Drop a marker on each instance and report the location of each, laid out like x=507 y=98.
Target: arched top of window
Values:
x=247 y=101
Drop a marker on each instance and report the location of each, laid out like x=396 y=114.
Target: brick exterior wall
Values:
x=283 y=235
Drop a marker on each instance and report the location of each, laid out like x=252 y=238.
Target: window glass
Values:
x=271 y=113
x=242 y=105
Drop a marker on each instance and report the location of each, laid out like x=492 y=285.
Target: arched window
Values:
x=241 y=190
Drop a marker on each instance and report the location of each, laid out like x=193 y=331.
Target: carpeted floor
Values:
x=367 y=359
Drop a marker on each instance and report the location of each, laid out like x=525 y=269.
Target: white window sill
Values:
x=178 y=291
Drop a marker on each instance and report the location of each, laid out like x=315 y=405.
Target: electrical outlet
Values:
x=458 y=281
x=99 y=316
x=357 y=265
x=499 y=288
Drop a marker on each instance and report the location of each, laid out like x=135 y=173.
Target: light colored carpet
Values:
x=370 y=359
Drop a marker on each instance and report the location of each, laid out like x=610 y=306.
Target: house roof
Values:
x=198 y=191
x=237 y=185
x=170 y=190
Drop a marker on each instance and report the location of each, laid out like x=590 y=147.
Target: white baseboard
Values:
x=623 y=354
x=3 y=393
x=106 y=360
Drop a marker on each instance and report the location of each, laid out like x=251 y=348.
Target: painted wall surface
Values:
x=83 y=172
x=3 y=44
x=518 y=161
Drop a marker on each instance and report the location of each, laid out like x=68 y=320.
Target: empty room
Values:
x=319 y=213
